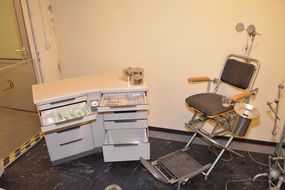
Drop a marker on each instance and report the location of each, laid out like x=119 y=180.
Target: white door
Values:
x=16 y=71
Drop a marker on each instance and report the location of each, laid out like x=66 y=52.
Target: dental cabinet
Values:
x=84 y=115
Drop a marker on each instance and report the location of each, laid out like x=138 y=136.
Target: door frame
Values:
x=25 y=25
x=47 y=61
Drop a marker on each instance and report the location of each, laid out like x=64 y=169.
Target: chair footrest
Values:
x=180 y=164
x=157 y=174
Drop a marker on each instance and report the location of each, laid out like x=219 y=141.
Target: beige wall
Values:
x=40 y=13
x=171 y=40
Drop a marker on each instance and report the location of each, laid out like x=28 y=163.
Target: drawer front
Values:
x=57 y=103
x=126 y=136
x=64 y=113
x=125 y=115
x=77 y=147
x=123 y=101
x=70 y=142
x=123 y=108
x=54 y=127
x=68 y=135
x=113 y=153
x=126 y=124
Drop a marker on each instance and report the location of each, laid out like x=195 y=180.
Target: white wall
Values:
x=172 y=40
x=41 y=24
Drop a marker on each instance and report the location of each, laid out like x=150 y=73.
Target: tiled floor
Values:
x=34 y=171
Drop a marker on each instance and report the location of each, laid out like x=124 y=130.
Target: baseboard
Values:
x=175 y=131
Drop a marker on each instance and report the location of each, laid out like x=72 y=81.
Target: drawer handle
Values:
x=126 y=121
x=70 y=142
x=127 y=111
x=62 y=101
x=126 y=144
x=69 y=129
x=124 y=106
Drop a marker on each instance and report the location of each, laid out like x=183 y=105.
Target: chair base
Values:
x=210 y=139
x=275 y=174
x=179 y=166
x=176 y=167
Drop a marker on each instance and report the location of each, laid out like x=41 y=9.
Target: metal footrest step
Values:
x=179 y=165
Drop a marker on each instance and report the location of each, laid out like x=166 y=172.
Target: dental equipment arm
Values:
x=275 y=111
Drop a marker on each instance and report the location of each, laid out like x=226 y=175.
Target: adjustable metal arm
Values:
x=275 y=111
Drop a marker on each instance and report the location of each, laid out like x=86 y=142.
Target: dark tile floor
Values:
x=34 y=171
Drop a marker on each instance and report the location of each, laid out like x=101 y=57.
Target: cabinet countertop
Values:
x=79 y=86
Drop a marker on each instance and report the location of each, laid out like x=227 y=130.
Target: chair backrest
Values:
x=239 y=71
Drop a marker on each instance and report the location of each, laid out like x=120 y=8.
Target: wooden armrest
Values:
x=240 y=96
x=198 y=79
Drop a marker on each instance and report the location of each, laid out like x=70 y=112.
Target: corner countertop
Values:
x=79 y=86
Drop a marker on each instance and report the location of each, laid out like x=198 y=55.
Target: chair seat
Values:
x=209 y=104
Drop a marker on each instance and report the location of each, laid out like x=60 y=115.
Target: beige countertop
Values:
x=78 y=86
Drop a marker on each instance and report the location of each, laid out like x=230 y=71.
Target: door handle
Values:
x=9 y=85
x=23 y=51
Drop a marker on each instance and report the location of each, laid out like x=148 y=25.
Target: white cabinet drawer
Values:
x=126 y=124
x=69 y=142
x=125 y=115
x=64 y=113
x=115 y=153
x=126 y=145
x=78 y=121
x=123 y=108
x=126 y=137
x=124 y=101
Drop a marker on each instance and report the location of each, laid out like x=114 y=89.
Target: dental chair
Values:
x=211 y=107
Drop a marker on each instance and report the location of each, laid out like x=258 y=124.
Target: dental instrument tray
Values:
x=121 y=101
x=65 y=113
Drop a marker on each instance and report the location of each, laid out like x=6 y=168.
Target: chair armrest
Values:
x=198 y=79
x=240 y=96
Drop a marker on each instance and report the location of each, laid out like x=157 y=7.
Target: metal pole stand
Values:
x=276 y=172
